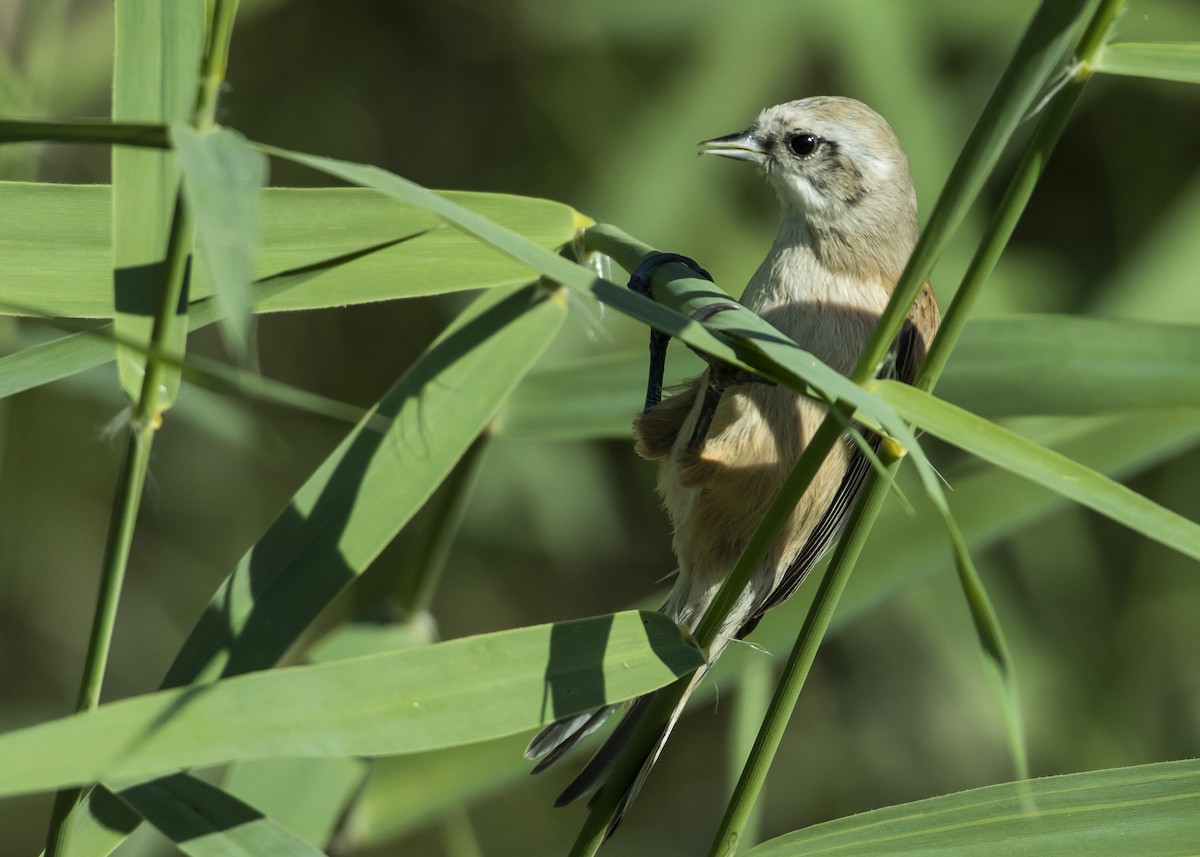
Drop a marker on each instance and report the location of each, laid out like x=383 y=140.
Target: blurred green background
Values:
x=599 y=105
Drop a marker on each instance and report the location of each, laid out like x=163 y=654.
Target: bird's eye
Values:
x=804 y=144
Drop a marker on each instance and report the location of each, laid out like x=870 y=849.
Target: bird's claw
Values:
x=639 y=282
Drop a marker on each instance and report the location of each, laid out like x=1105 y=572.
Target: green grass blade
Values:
x=1014 y=366
x=990 y=504
x=52 y=360
x=371 y=485
x=157 y=57
x=143 y=134
x=222 y=179
x=56 y=243
x=748 y=340
x=1057 y=364
x=1053 y=30
x=1009 y=450
x=407 y=701
x=307 y=796
x=993 y=648
x=1149 y=810
x=97 y=825
x=1179 y=61
x=201 y=820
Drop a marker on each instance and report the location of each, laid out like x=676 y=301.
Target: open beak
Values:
x=741 y=146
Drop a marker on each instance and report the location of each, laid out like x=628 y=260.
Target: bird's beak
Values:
x=741 y=146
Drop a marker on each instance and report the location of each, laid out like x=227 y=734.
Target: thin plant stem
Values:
x=1020 y=189
x=141 y=134
x=795 y=671
x=1046 y=40
x=750 y=706
x=130 y=480
x=146 y=415
x=849 y=546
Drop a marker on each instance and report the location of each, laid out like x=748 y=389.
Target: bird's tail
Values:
x=556 y=739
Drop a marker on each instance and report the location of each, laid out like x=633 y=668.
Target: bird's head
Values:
x=839 y=173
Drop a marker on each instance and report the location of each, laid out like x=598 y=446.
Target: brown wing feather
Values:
x=908 y=353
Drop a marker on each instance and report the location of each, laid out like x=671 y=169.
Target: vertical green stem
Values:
x=751 y=705
x=1016 y=197
x=146 y=416
x=116 y=555
x=214 y=63
x=760 y=543
x=804 y=653
x=850 y=545
x=1046 y=39
x=130 y=480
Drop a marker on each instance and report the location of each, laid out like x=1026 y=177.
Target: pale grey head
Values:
x=841 y=176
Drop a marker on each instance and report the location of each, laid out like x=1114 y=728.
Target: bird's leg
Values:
x=721 y=376
x=640 y=283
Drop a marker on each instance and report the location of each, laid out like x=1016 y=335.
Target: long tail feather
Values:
x=559 y=737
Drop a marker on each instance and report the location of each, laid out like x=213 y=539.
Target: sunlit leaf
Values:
x=157 y=57
x=222 y=179
x=204 y=821
x=1009 y=450
x=371 y=485
x=56 y=244
x=1148 y=810
x=1178 y=61
x=407 y=701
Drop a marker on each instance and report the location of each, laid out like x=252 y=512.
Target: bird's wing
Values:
x=822 y=536
x=908 y=353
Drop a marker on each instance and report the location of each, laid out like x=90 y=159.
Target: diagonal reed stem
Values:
x=1050 y=33
x=730 y=832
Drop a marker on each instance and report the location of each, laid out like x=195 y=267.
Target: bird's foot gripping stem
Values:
x=721 y=375
x=640 y=283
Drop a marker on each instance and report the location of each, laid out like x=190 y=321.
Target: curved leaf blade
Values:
x=204 y=821
x=370 y=486
x=1009 y=450
x=407 y=701
x=1178 y=61
x=222 y=178
x=1148 y=810
x=56 y=242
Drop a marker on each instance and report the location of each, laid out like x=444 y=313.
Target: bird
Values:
x=726 y=440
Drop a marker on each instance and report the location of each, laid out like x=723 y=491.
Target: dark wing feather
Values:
x=907 y=355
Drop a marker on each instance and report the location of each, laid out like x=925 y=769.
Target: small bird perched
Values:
x=848 y=226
